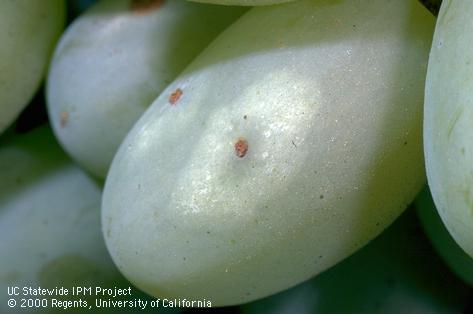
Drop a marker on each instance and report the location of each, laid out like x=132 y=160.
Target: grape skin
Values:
x=395 y=273
x=49 y=220
x=113 y=61
x=328 y=97
x=28 y=32
x=447 y=121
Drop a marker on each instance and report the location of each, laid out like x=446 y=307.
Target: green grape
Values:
x=447 y=121
x=113 y=61
x=460 y=262
x=294 y=139
x=49 y=221
x=396 y=273
x=28 y=32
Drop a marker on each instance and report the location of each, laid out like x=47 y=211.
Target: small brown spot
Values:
x=63 y=118
x=145 y=6
x=174 y=97
x=241 y=147
x=245 y=117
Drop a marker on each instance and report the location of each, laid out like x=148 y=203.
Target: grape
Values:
x=447 y=122
x=288 y=144
x=113 y=61
x=49 y=220
x=454 y=256
x=395 y=273
x=28 y=31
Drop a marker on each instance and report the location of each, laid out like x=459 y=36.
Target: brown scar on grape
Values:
x=63 y=118
x=145 y=6
x=175 y=96
x=241 y=147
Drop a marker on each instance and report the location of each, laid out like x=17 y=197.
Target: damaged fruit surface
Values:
x=113 y=61
x=290 y=147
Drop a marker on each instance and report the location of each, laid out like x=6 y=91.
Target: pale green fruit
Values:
x=113 y=61
x=28 y=32
x=396 y=273
x=290 y=147
x=49 y=221
x=243 y=2
x=448 y=131
x=460 y=262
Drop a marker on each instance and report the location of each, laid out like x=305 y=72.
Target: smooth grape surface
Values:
x=398 y=272
x=49 y=222
x=28 y=32
x=448 y=131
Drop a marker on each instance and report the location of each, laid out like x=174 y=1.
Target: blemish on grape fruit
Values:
x=454 y=121
x=63 y=118
x=175 y=96
x=241 y=147
x=144 y=6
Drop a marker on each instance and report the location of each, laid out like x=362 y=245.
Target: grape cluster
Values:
x=223 y=152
